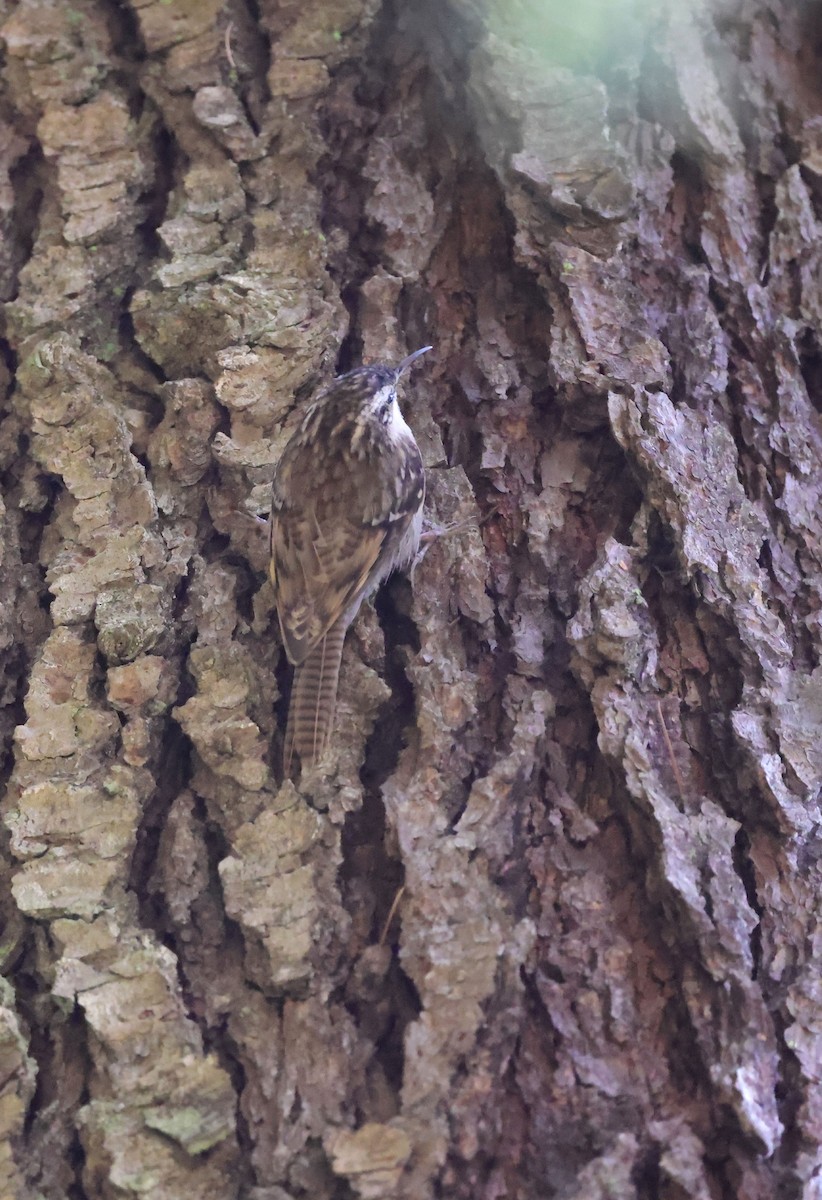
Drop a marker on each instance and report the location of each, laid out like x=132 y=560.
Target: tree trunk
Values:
x=547 y=923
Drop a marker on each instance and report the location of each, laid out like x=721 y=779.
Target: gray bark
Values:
x=548 y=923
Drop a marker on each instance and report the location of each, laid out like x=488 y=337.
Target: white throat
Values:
x=396 y=425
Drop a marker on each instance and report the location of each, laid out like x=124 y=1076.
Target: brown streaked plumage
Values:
x=346 y=511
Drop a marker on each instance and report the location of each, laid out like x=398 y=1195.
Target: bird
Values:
x=346 y=511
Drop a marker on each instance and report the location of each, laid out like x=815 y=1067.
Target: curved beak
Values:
x=406 y=362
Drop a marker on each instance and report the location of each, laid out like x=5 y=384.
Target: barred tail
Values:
x=313 y=701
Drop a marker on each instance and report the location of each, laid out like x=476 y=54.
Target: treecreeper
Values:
x=346 y=511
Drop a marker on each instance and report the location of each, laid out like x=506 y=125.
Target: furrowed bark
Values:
x=545 y=922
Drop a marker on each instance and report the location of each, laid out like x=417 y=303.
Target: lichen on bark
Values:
x=545 y=922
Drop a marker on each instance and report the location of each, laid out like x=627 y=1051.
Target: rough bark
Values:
x=548 y=924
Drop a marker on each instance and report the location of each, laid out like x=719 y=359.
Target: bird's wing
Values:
x=321 y=565
x=332 y=536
